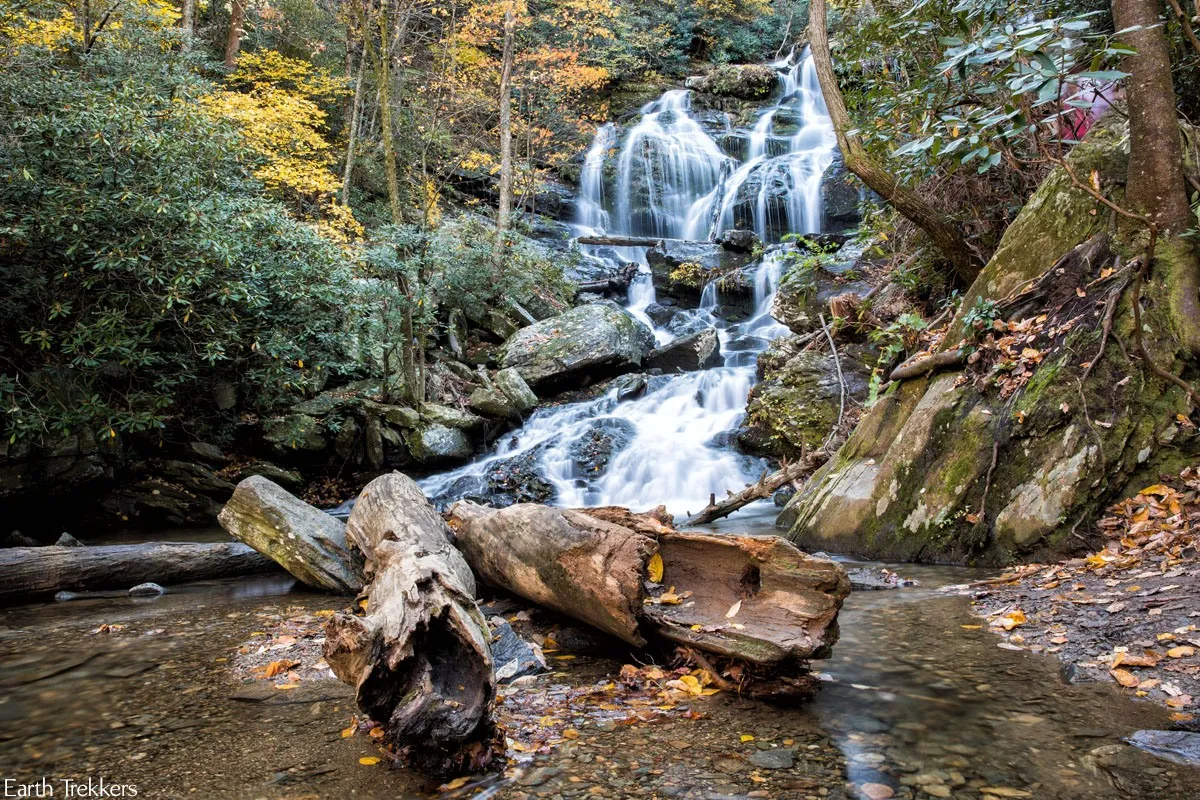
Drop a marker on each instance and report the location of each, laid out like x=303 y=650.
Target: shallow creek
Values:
x=913 y=701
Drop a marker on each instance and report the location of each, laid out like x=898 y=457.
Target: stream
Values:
x=918 y=700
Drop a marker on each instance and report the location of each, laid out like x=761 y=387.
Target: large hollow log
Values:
x=419 y=659
x=585 y=567
x=305 y=541
x=754 y=599
x=33 y=571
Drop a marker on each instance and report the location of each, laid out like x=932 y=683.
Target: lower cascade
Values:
x=680 y=175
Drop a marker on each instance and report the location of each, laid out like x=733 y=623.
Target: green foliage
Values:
x=139 y=262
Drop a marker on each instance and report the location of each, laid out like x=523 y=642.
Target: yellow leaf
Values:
x=1183 y=651
x=733 y=610
x=1003 y=791
x=1157 y=489
x=348 y=732
x=570 y=733
x=970 y=627
x=654 y=568
x=287 y=686
x=457 y=783
x=369 y=761
x=745 y=737
x=1125 y=678
x=1012 y=619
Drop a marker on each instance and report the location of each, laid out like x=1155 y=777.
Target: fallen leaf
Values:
x=876 y=791
x=1003 y=791
x=570 y=733
x=1183 y=651
x=457 y=783
x=1182 y=701
x=348 y=732
x=733 y=610
x=970 y=627
x=745 y=737
x=654 y=568
x=287 y=686
x=369 y=761
x=1125 y=678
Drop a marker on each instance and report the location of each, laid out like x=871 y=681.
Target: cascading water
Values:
x=673 y=444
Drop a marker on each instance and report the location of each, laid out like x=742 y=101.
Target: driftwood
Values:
x=919 y=366
x=766 y=486
x=584 y=567
x=419 y=659
x=306 y=542
x=754 y=599
x=30 y=571
x=618 y=282
x=620 y=241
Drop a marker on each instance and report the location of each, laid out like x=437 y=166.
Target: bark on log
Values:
x=620 y=241
x=920 y=366
x=419 y=659
x=614 y=283
x=305 y=541
x=32 y=571
x=584 y=567
x=766 y=486
x=755 y=599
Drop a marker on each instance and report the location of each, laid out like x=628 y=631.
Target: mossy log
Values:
x=419 y=658
x=32 y=571
x=753 y=599
x=305 y=541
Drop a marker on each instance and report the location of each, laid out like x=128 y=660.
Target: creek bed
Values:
x=914 y=701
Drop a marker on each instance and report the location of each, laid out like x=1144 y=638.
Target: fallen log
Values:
x=766 y=486
x=618 y=282
x=419 y=658
x=305 y=541
x=919 y=366
x=753 y=599
x=584 y=567
x=620 y=241
x=32 y=571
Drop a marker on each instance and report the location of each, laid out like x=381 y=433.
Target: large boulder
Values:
x=741 y=81
x=306 y=542
x=513 y=386
x=840 y=194
x=700 y=350
x=438 y=444
x=1003 y=458
x=578 y=346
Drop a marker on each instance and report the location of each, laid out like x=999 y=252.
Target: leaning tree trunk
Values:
x=419 y=658
x=32 y=571
x=948 y=239
x=1156 y=186
x=305 y=541
x=753 y=599
x=237 y=27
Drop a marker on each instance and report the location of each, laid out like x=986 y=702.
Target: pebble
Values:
x=146 y=590
x=783 y=758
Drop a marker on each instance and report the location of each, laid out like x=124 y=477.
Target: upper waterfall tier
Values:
x=683 y=174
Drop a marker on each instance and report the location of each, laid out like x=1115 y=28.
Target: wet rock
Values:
x=146 y=590
x=512 y=655
x=661 y=315
x=64 y=597
x=438 y=444
x=577 y=346
x=782 y=496
x=451 y=417
x=780 y=758
x=871 y=579
x=697 y=351
x=741 y=81
x=630 y=387
x=207 y=452
x=284 y=477
x=505 y=482
x=67 y=540
x=514 y=387
x=740 y=241
x=840 y=196
x=592 y=451
x=492 y=403
x=1182 y=747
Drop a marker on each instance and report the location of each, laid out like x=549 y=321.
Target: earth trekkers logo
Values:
x=68 y=787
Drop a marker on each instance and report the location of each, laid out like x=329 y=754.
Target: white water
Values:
x=672 y=180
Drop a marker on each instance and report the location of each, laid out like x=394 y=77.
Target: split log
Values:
x=305 y=541
x=766 y=486
x=32 y=571
x=584 y=567
x=754 y=599
x=620 y=241
x=419 y=659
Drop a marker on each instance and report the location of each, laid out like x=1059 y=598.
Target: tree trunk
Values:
x=237 y=23
x=187 y=23
x=419 y=659
x=352 y=137
x=621 y=241
x=504 y=207
x=947 y=238
x=306 y=542
x=1156 y=186
x=385 y=113
x=766 y=486
x=753 y=599
x=32 y=571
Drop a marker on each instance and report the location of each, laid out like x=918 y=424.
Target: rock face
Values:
x=739 y=241
x=306 y=542
x=513 y=386
x=741 y=81
x=840 y=193
x=991 y=466
x=582 y=344
x=795 y=406
x=439 y=444
x=695 y=351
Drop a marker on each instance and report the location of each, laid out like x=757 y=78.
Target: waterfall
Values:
x=669 y=178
